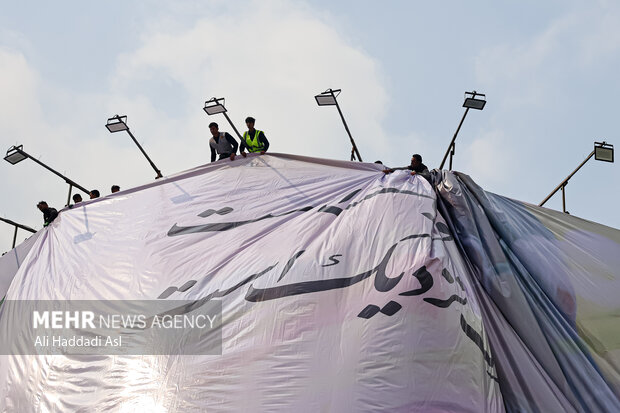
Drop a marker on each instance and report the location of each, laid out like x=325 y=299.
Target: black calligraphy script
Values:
x=382 y=282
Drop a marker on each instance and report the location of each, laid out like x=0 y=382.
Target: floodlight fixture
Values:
x=15 y=155
x=17 y=226
x=328 y=98
x=119 y=123
x=473 y=100
x=214 y=106
x=603 y=151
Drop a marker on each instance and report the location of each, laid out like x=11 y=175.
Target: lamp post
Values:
x=213 y=107
x=328 y=98
x=471 y=102
x=16 y=154
x=17 y=226
x=603 y=151
x=119 y=123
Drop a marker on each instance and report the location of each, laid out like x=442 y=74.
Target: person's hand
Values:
x=388 y=171
x=413 y=172
x=243 y=154
x=262 y=152
x=232 y=156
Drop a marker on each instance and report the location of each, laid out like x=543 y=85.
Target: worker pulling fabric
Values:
x=254 y=140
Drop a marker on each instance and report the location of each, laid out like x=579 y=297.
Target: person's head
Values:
x=94 y=194
x=416 y=160
x=215 y=130
x=77 y=198
x=42 y=206
x=115 y=188
x=249 y=121
x=379 y=162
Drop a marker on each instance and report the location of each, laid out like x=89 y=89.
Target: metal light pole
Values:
x=119 y=123
x=213 y=107
x=16 y=154
x=603 y=151
x=17 y=226
x=469 y=103
x=328 y=98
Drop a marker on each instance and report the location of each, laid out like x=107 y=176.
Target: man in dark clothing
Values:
x=416 y=167
x=254 y=140
x=49 y=214
x=222 y=143
x=77 y=198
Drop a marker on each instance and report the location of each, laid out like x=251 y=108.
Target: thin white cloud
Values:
x=506 y=62
x=578 y=38
x=601 y=40
x=269 y=70
x=488 y=159
x=19 y=83
x=538 y=89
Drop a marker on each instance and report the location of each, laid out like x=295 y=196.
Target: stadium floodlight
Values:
x=16 y=154
x=603 y=151
x=17 y=226
x=473 y=100
x=328 y=98
x=214 y=106
x=118 y=124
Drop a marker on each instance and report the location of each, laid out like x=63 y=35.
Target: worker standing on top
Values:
x=254 y=140
x=49 y=214
x=222 y=143
x=416 y=167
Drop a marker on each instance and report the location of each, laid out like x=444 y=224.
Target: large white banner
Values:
x=10 y=262
x=341 y=290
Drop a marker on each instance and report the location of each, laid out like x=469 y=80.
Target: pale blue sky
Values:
x=549 y=70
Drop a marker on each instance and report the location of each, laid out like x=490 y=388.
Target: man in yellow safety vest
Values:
x=254 y=140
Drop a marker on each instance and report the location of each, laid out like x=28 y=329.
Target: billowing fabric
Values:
x=12 y=260
x=549 y=288
x=342 y=288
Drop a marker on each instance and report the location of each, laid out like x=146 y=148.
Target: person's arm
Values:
x=264 y=141
x=232 y=141
x=212 y=153
x=234 y=144
x=242 y=147
x=390 y=170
